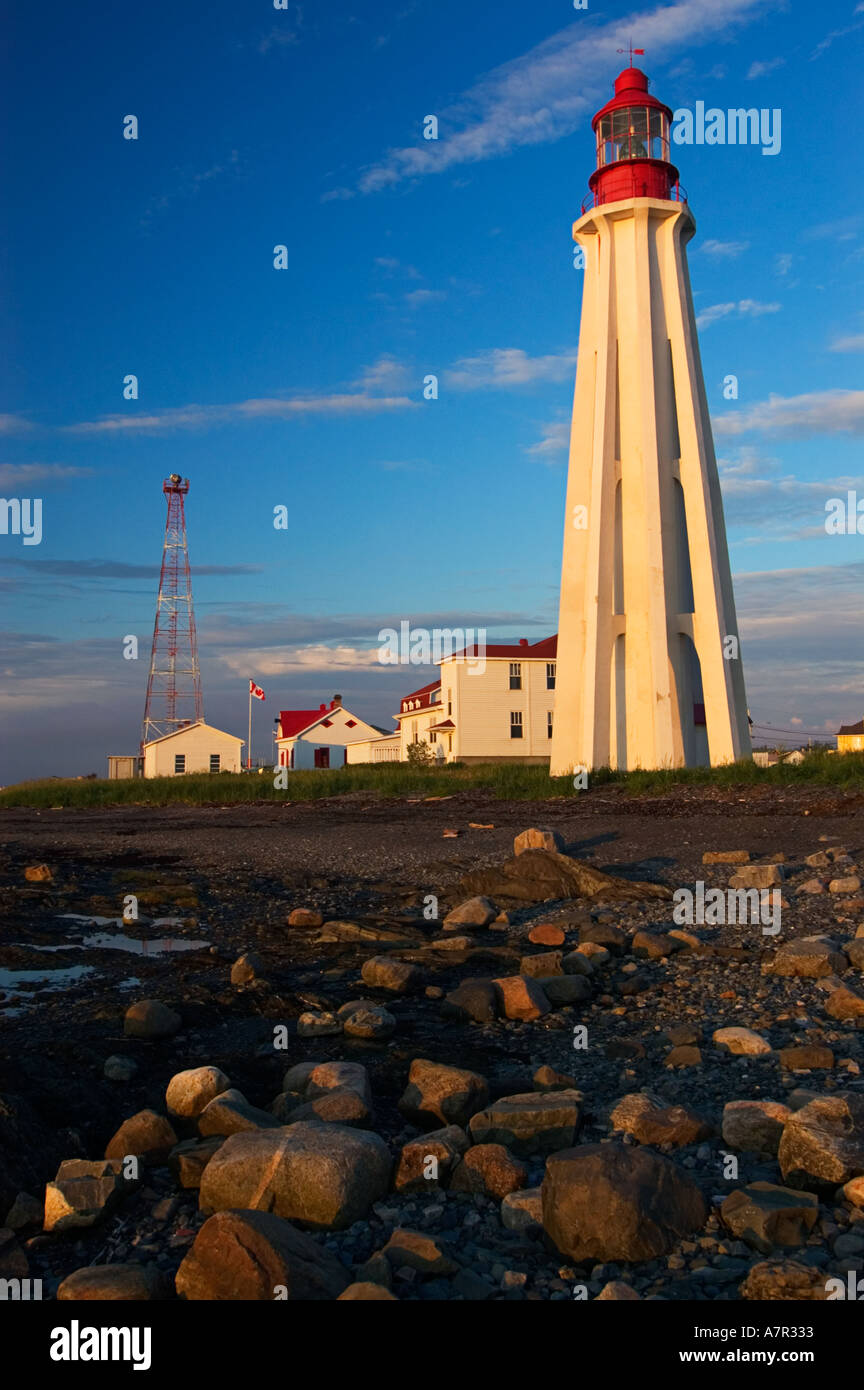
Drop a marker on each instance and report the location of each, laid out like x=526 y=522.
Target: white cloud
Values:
x=13 y=424
x=837 y=34
x=21 y=475
x=724 y=248
x=414 y=298
x=818 y=412
x=387 y=374
x=548 y=92
x=744 y=308
x=508 y=367
x=853 y=343
x=267 y=408
x=553 y=442
x=758 y=69
x=276 y=661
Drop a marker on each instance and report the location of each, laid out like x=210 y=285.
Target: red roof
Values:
x=546 y=649
x=294 y=721
x=420 y=699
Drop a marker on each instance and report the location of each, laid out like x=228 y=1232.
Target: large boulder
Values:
x=521 y=998
x=120 y=1283
x=147 y=1135
x=741 y=1042
x=417 y=1250
x=364 y=1292
x=823 y=1142
x=475 y=912
x=765 y=1215
x=473 y=999
x=539 y=839
x=189 y=1091
x=491 y=1170
x=365 y=932
x=322 y=1176
x=565 y=989
x=244 y=1256
x=340 y=1106
x=150 y=1019
x=809 y=957
x=650 y=1120
x=845 y=1004
x=440 y=1095
x=537 y=875
x=607 y=1202
x=231 y=1113
x=428 y=1163
x=188 y=1160
x=754 y=1126
x=542 y=963
x=529 y=1123
x=386 y=972
x=758 y=876
x=83 y=1192
x=338 y=1076
x=782 y=1280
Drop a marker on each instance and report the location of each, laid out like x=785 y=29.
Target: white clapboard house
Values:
x=196 y=747
x=492 y=705
x=308 y=738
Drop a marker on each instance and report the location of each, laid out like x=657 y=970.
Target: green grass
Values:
x=509 y=783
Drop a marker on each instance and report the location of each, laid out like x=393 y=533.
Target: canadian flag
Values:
x=256 y=691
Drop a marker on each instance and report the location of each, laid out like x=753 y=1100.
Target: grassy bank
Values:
x=398 y=779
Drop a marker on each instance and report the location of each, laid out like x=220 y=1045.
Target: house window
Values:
x=350 y=723
x=215 y=760
x=449 y=704
x=550 y=675
x=179 y=762
x=326 y=723
x=433 y=737
x=449 y=743
x=516 y=723
x=291 y=762
x=549 y=723
x=322 y=757
x=515 y=675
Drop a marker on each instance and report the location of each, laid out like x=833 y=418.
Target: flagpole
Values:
x=249 y=744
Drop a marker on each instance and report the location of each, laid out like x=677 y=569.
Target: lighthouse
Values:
x=648 y=664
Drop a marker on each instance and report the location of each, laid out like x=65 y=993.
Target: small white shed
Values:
x=196 y=747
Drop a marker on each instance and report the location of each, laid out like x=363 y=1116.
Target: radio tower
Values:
x=174 y=684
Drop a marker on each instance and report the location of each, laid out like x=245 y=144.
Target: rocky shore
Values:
x=416 y=1051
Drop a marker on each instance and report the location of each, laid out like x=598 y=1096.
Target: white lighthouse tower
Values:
x=649 y=671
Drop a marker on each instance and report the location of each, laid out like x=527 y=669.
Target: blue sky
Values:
x=304 y=387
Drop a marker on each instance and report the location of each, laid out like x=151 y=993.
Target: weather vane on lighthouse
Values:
x=631 y=50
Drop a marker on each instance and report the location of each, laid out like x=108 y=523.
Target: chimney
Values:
x=523 y=641
x=336 y=702
x=321 y=709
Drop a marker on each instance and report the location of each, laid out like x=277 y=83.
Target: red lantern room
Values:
x=632 y=133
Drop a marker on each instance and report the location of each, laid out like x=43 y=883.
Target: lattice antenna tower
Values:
x=174 y=683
